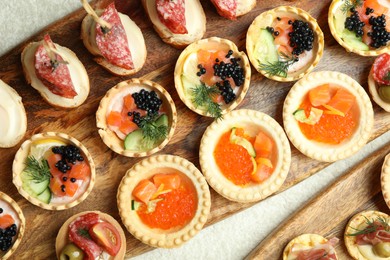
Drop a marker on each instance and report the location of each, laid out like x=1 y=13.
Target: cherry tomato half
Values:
x=107 y=236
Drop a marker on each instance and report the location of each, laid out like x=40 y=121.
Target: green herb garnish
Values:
x=280 y=67
x=38 y=171
x=387 y=77
x=84 y=233
x=151 y=131
x=372 y=226
x=349 y=4
x=203 y=97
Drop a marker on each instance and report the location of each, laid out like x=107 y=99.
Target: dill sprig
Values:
x=348 y=4
x=387 y=77
x=151 y=131
x=203 y=97
x=372 y=226
x=38 y=171
x=280 y=67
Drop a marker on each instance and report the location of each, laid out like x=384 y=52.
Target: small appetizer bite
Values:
x=310 y=246
x=179 y=22
x=56 y=72
x=361 y=26
x=367 y=236
x=164 y=201
x=12 y=225
x=246 y=156
x=212 y=76
x=136 y=118
x=284 y=43
x=328 y=116
x=379 y=81
x=231 y=9
x=53 y=171
x=91 y=235
x=114 y=39
x=385 y=180
x=12 y=116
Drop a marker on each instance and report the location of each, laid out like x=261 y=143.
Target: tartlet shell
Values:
x=111 y=139
x=206 y=44
x=21 y=228
x=62 y=237
x=332 y=9
x=252 y=121
x=265 y=19
x=319 y=151
x=146 y=169
x=19 y=165
x=304 y=239
x=385 y=180
x=22 y=129
x=372 y=87
x=355 y=222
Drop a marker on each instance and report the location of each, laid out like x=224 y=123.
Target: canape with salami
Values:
x=379 y=81
x=231 y=9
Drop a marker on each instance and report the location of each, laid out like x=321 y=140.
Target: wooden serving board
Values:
x=263 y=95
x=329 y=212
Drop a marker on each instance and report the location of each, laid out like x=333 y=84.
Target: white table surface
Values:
x=232 y=238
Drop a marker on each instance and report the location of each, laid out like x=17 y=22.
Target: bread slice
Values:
x=134 y=38
x=12 y=116
x=77 y=70
x=195 y=19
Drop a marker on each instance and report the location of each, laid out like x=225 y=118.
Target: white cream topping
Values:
x=304 y=59
x=12 y=115
x=83 y=185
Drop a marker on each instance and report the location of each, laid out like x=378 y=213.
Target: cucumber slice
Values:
x=162 y=120
x=243 y=142
x=45 y=196
x=314 y=117
x=339 y=18
x=188 y=84
x=31 y=186
x=265 y=49
x=133 y=140
x=353 y=41
x=135 y=205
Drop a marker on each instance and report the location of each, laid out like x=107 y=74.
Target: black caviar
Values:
x=6 y=236
x=301 y=38
x=354 y=24
x=69 y=154
x=226 y=91
x=147 y=100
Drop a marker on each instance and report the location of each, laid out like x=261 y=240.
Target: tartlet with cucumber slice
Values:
x=212 y=76
x=245 y=156
x=136 y=118
x=361 y=26
x=284 y=43
x=53 y=171
x=328 y=116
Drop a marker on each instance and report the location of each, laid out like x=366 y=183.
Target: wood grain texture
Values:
x=264 y=95
x=329 y=212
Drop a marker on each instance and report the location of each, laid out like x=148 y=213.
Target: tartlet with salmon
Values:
x=212 y=76
x=246 y=156
x=136 y=118
x=284 y=43
x=164 y=201
x=367 y=235
x=53 y=171
x=379 y=81
x=91 y=235
x=361 y=26
x=12 y=226
x=328 y=116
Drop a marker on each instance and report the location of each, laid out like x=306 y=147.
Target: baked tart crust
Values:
x=19 y=165
x=304 y=239
x=110 y=138
x=252 y=121
x=333 y=9
x=355 y=222
x=21 y=227
x=210 y=44
x=385 y=180
x=146 y=169
x=373 y=88
x=321 y=151
x=62 y=238
x=266 y=19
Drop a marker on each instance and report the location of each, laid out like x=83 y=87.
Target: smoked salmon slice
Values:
x=320 y=95
x=144 y=191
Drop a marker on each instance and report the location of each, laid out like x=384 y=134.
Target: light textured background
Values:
x=232 y=238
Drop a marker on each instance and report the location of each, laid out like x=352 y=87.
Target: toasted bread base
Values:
x=77 y=70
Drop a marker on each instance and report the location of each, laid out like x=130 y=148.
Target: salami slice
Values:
x=172 y=14
x=381 y=69
x=79 y=234
x=112 y=42
x=226 y=8
x=53 y=72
